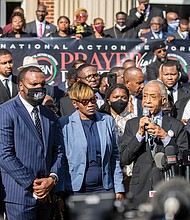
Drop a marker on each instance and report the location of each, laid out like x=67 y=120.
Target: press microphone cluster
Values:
x=167 y=162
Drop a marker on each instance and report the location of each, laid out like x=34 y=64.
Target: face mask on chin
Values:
x=119 y=106
x=120 y=27
x=35 y=96
x=184 y=34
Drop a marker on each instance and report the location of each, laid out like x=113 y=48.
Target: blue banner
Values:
x=56 y=55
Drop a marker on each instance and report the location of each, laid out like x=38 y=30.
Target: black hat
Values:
x=158 y=45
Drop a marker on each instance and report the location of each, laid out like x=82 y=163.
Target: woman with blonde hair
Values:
x=91 y=158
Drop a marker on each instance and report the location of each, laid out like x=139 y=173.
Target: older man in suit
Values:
x=145 y=136
x=8 y=82
x=30 y=149
x=40 y=27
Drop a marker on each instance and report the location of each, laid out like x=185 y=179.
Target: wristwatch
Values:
x=55 y=180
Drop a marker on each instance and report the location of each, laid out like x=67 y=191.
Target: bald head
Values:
x=134 y=80
x=171 y=16
x=132 y=72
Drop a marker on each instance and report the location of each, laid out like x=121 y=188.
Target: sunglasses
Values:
x=162 y=50
x=86 y=101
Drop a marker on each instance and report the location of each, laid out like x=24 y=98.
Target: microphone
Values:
x=146 y=113
x=158 y=160
x=186 y=162
x=171 y=158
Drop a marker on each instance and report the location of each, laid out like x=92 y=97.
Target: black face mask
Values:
x=119 y=106
x=36 y=95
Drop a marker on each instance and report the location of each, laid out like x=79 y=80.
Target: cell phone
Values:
x=112 y=78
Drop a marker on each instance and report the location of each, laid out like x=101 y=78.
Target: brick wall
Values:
x=50 y=8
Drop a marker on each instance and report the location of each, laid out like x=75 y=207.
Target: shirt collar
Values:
x=38 y=22
x=27 y=105
x=3 y=77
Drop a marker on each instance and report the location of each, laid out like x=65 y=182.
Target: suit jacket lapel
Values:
x=45 y=129
x=100 y=120
x=14 y=86
x=4 y=92
x=20 y=108
x=79 y=131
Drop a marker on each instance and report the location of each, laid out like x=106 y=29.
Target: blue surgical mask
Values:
x=174 y=24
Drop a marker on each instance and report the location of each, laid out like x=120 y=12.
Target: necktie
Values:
x=37 y=121
x=7 y=87
x=171 y=93
x=40 y=31
x=130 y=106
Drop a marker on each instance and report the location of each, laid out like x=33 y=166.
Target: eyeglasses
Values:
x=90 y=76
x=86 y=101
x=161 y=50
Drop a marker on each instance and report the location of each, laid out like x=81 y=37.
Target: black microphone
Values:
x=171 y=158
x=146 y=113
x=186 y=162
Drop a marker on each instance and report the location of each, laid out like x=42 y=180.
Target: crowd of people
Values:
x=97 y=133
x=145 y=22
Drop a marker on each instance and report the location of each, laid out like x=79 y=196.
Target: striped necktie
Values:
x=37 y=122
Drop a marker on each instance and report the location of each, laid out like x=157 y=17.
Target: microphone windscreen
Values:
x=186 y=157
x=146 y=112
x=158 y=160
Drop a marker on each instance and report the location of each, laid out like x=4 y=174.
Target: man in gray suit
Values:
x=40 y=27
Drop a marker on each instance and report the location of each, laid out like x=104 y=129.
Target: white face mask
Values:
x=174 y=24
x=120 y=27
x=184 y=34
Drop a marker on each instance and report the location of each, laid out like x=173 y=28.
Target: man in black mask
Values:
x=30 y=152
x=160 y=51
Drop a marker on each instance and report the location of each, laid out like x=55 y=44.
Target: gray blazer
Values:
x=32 y=30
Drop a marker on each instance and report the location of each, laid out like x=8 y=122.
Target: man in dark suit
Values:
x=134 y=81
x=169 y=74
x=40 y=27
x=8 y=82
x=183 y=30
x=30 y=149
x=120 y=30
x=8 y=88
x=156 y=31
x=161 y=130
x=160 y=52
x=140 y=17
x=182 y=108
